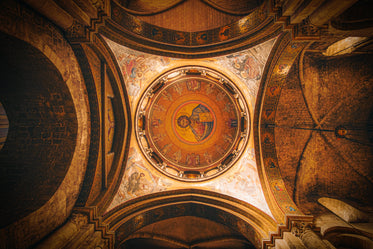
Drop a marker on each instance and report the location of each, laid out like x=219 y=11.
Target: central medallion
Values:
x=192 y=123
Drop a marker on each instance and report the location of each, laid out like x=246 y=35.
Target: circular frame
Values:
x=205 y=169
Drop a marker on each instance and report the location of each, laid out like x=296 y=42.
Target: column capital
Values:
x=300 y=227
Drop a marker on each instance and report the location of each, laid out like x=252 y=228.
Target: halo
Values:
x=177 y=116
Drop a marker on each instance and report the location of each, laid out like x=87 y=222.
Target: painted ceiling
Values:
x=146 y=7
x=140 y=70
x=192 y=123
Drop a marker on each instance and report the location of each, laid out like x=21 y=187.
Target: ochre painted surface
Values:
x=287 y=53
x=25 y=25
x=192 y=123
x=198 y=36
x=241 y=181
x=331 y=92
x=188 y=120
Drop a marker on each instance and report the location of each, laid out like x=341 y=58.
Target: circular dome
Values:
x=192 y=123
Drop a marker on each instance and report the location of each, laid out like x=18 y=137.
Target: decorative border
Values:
x=93 y=218
x=232 y=155
x=243 y=34
x=248 y=220
x=242 y=27
x=293 y=223
x=283 y=57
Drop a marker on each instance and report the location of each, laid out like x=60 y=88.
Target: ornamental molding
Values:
x=90 y=216
x=192 y=123
x=297 y=225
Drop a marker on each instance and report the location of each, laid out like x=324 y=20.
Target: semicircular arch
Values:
x=244 y=218
x=49 y=41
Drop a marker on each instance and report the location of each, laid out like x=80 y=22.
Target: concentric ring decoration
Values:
x=192 y=123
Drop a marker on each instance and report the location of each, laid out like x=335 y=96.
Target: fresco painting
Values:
x=242 y=182
x=248 y=65
x=194 y=122
x=137 y=67
x=140 y=178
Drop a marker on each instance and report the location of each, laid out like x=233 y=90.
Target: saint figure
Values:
x=201 y=122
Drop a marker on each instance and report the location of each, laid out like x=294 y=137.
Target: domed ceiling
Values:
x=167 y=13
x=146 y=7
x=192 y=123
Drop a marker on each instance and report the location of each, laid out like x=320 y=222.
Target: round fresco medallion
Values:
x=192 y=123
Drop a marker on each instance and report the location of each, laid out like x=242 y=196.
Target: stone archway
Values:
x=251 y=223
x=64 y=103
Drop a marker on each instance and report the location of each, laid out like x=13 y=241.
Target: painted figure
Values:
x=193 y=85
x=192 y=159
x=134 y=182
x=201 y=122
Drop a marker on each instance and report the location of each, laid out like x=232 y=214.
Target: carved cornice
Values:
x=303 y=31
x=99 y=4
x=79 y=219
x=80 y=33
x=307 y=31
x=294 y=224
x=90 y=214
x=77 y=32
x=299 y=227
